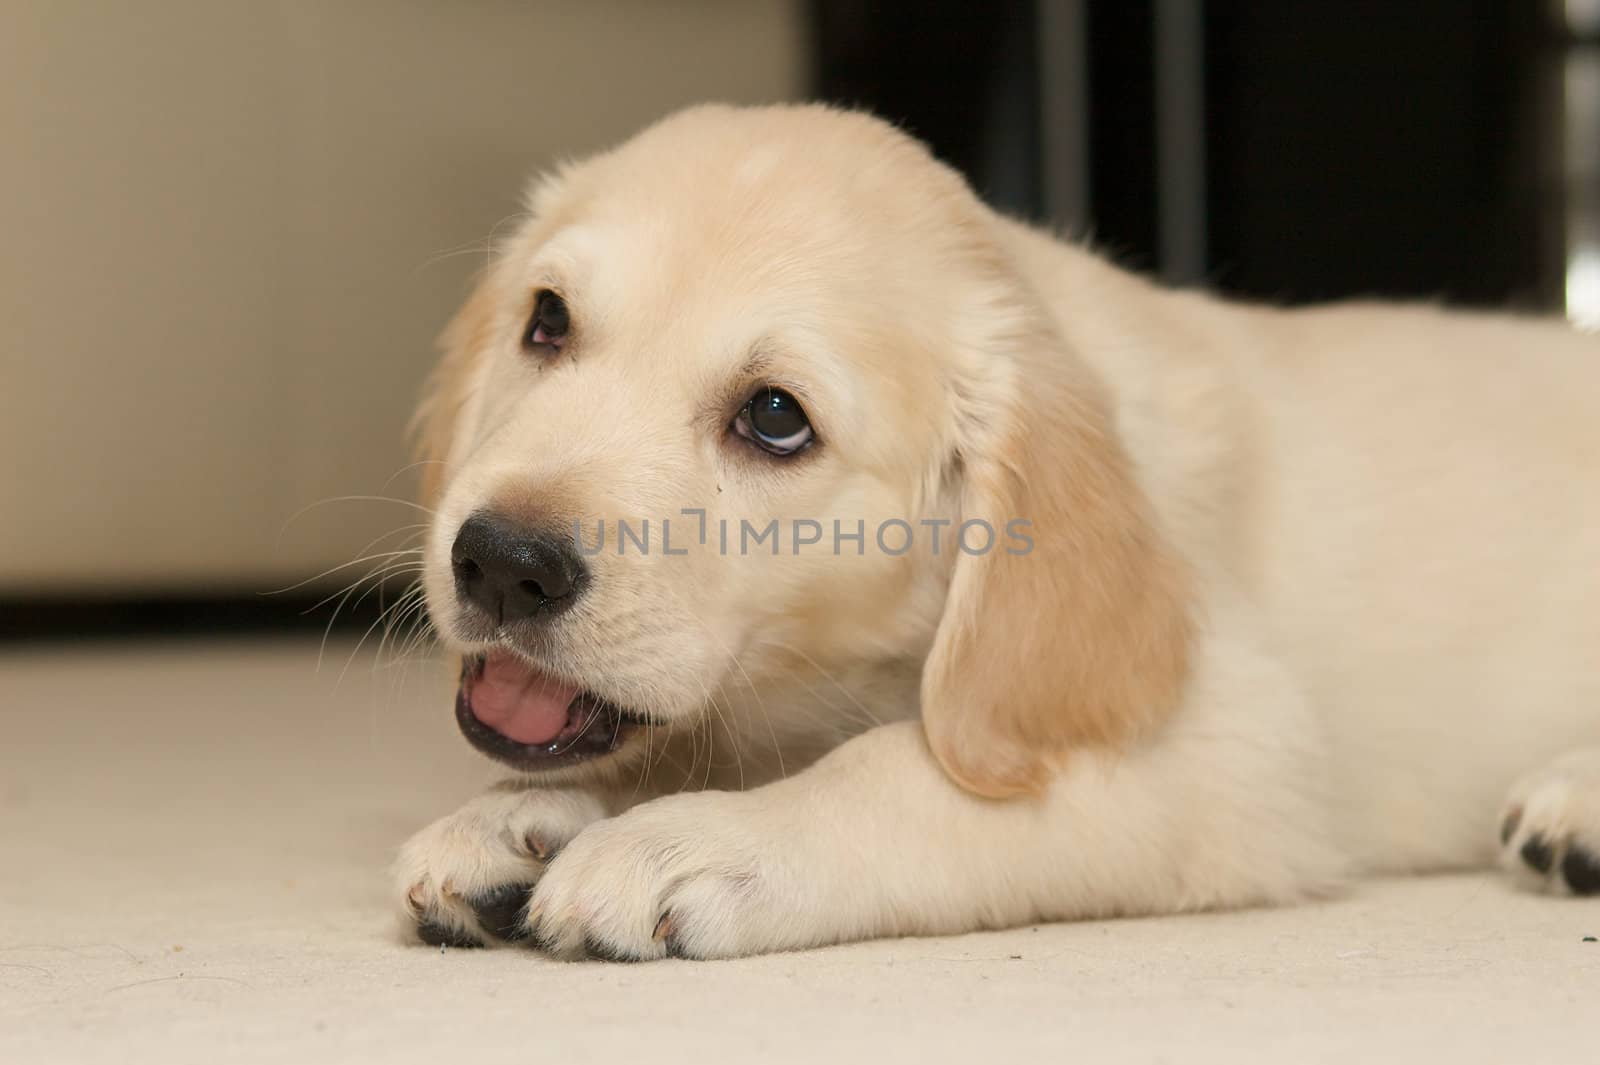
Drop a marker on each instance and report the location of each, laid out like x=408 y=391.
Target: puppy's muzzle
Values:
x=519 y=578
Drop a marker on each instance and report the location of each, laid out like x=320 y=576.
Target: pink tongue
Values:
x=518 y=701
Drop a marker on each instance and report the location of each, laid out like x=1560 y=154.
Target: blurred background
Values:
x=232 y=229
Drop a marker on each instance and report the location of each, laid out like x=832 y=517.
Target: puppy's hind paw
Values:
x=1550 y=827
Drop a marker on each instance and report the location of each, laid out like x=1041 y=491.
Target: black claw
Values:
x=1538 y=854
x=539 y=941
x=1581 y=868
x=500 y=911
x=440 y=935
x=1508 y=827
x=601 y=951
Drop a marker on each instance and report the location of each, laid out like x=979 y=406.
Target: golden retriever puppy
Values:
x=832 y=558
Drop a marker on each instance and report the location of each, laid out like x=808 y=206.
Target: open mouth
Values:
x=529 y=720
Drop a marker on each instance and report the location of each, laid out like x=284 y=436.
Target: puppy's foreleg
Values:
x=875 y=840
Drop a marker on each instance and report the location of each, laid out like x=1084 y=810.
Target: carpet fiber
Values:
x=193 y=844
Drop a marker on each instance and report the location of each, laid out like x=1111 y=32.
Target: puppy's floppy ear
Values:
x=1080 y=639
x=463 y=342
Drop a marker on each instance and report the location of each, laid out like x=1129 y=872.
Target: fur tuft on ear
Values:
x=464 y=340
x=1080 y=639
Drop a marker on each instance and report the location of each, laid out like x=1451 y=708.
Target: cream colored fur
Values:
x=1311 y=589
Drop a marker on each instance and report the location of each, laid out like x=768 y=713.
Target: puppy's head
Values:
x=734 y=408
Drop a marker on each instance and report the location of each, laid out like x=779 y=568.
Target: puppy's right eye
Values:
x=547 y=329
x=774 y=421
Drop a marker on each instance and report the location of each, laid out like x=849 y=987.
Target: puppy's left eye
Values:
x=774 y=421
x=548 y=327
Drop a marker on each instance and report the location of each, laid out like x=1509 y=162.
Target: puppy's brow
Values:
x=771 y=361
x=759 y=363
x=765 y=364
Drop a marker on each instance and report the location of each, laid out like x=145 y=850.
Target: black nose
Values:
x=512 y=572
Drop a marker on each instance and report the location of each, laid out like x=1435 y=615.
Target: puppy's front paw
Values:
x=464 y=880
x=1550 y=828
x=699 y=876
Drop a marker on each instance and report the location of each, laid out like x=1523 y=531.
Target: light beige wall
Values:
x=230 y=230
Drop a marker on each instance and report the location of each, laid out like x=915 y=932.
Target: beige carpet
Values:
x=192 y=849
